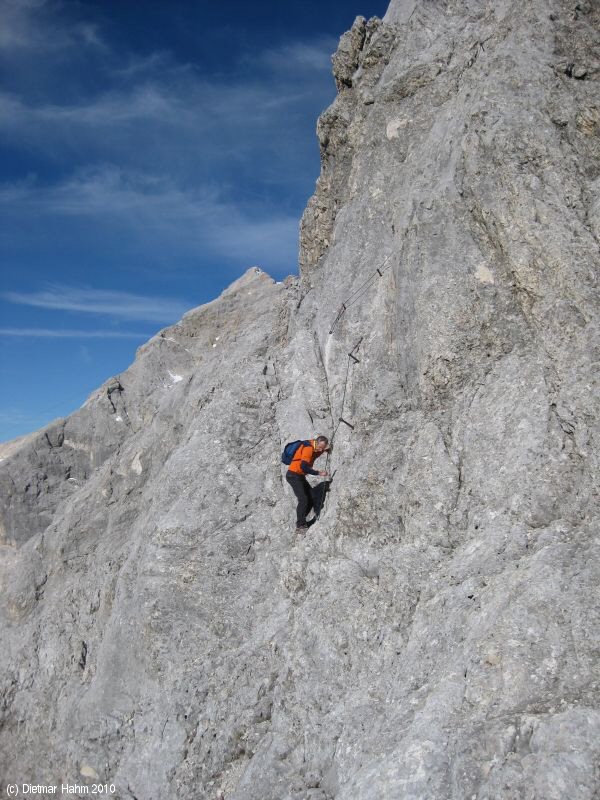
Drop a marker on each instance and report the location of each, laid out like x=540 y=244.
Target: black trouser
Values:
x=303 y=492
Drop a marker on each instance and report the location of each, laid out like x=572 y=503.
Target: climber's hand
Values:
x=323 y=473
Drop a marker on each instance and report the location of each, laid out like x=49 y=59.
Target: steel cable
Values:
x=360 y=291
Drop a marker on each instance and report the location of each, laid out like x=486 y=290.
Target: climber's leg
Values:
x=301 y=488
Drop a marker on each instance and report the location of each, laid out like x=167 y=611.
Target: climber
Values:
x=301 y=466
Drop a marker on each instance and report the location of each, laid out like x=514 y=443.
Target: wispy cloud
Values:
x=193 y=220
x=188 y=122
x=210 y=166
x=111 y=109
x=135 y=66
x=119 y=305
x=301 y=55
x=85 y=355
x=188 y=105
x=12 y=418
x=27 y=25
x=16 y=26
x=52 y=333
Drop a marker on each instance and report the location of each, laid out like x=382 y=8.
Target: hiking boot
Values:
x=302 y=528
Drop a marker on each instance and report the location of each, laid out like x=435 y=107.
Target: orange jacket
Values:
x=304 y=458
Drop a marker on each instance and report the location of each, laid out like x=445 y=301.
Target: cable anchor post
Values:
x=354 y=349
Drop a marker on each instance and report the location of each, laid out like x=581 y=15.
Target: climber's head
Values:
x=321 y=443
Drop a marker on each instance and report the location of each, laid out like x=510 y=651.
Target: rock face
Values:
x=437 y=633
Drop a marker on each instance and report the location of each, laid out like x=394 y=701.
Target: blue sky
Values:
x=151 y=152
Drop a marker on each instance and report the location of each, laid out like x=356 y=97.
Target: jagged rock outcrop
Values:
x=436 y=634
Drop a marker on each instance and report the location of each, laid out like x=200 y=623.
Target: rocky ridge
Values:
x=436 y=634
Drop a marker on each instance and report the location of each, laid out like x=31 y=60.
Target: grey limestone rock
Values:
x=436 y=635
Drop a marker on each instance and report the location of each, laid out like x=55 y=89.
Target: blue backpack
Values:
x=290 y=450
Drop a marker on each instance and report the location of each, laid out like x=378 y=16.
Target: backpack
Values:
x=289 y=451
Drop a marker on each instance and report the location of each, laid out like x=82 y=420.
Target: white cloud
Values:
x=157 y=105
x=34 y=25
x=139 y=65
x=112 y=109
x=193 y=107
x=119 y=305
x=208 y=165
x=11 y=418
x=15 y=26
x=85 y=355
x=52 y=333
x=195 y=221
x=295 y=56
